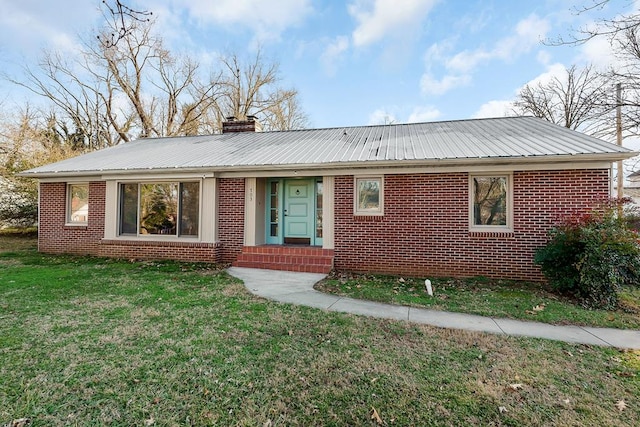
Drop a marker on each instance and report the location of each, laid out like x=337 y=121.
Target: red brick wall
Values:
x=54 y=236
x=425 y=231
x=230 y=217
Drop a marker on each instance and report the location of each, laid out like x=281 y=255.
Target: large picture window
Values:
x=77 y=203
x=490 y=201
x=368 y=196
x=160 y=208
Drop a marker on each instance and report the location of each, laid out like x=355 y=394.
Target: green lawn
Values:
x=86 y=341
x=495 y=298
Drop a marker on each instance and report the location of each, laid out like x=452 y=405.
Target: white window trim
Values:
x=156 y=237
x=508 y=228
x=368 y=212
x=68 y=221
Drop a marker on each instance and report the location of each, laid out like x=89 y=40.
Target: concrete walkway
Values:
x=297 y=288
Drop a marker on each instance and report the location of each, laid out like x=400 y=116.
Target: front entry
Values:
x=294 y=211
x=298 y=209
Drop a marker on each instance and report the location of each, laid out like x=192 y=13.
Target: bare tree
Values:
x=286 y=113
x=251 y=88
x=610 y=28
x=626 y=45
x=83 y=101
x=156 y=84
x=27 y=140
x=112 y=92
x=621 y=31
x=125 y=15
x=126 y=84
x=581 y=99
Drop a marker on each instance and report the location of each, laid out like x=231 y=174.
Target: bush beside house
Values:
x=592 y=255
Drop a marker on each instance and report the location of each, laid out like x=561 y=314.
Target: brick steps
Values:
x=289 y=258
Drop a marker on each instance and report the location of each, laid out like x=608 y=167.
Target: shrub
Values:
x=18 y=202
x=591 y=256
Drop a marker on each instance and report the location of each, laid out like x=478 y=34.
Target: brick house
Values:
x=457 y=198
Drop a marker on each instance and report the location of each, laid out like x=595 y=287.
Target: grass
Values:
x=87 y=341
x=495 y=298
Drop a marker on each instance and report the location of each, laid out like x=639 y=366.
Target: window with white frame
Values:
x=159 y=208
x=369 y=195
x=77 y=203
x=490 y=202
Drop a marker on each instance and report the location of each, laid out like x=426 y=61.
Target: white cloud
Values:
x=34 y=25
x=466 y=61
x=554 y=71
x=543 y=57
x=598 y=52
x=381 y=116
x=379 y=18
x=437 y=51
x=528 y=33
x=390 y=113
x=501 y=108
x=433 y=86
x=495 y=108
x=170 y=23
x=267 y=19
x=333 y=53
x=423 y=114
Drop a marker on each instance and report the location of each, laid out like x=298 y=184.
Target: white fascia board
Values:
x=173 y=175
x=70 y=179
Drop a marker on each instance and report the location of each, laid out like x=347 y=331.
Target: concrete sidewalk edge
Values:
x=297 y=288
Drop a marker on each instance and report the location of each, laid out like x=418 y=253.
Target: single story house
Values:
x=452 y=198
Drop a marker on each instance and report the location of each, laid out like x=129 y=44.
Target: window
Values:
x=319 y=188
x=490 y=202
x=368 y=196
x=160 y=208
x=274 y=208
x=77 y=203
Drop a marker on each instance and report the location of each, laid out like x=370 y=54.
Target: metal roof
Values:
x=481 y=140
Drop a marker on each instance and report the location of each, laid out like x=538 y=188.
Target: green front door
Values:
x=298 y=211
x=294 y=211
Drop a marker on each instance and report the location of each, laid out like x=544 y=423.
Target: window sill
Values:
x=70 y=225
x=365 y=213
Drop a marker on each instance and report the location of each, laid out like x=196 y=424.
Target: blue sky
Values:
x=354 y=62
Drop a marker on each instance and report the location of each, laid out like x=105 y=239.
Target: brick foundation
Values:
x=179 y=251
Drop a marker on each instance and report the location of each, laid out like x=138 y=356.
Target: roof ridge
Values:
x=389 y=125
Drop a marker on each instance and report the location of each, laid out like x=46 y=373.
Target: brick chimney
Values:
x=232 y=125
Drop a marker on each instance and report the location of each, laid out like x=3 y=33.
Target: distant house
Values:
x=455 y=198
x=632 y=189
